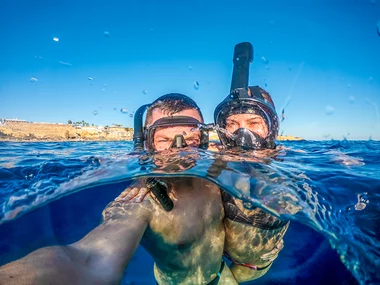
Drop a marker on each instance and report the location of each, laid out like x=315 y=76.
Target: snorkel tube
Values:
x=243 y=56
x=138 y=130
x=158 y=188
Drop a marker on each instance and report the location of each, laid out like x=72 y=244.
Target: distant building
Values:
x=13 y=121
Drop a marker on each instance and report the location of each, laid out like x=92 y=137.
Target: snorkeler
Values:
x=253 y=237
x=177 y=239
x=247 y=119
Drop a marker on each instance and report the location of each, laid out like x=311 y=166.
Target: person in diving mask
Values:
x=247 y=119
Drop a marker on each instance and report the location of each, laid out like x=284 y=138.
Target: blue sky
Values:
x=323 y=59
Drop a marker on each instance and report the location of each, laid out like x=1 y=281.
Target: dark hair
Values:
x=172 y=103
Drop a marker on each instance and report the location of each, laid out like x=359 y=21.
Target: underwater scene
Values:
x=203 y=142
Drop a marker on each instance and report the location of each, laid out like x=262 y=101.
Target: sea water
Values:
x=54 y=193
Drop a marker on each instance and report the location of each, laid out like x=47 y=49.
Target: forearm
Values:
x=50 y=265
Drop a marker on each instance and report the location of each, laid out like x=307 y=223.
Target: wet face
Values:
x=252 y=122
x=163 y=137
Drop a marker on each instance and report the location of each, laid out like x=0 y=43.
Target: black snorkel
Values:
x=243 y=57
x=158 y=188
x=138 y=130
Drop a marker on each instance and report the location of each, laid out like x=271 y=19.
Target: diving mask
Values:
x=176 y=132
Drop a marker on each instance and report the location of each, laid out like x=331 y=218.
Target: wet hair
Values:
x=172 y=103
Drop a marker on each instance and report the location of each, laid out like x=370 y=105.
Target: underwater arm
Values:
x=101 y=257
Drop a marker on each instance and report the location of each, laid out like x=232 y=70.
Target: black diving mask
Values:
x=176 y=132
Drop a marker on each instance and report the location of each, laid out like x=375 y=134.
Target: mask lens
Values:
x=176 y=137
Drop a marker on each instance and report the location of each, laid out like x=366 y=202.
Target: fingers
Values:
x=142 y=192
x=128 y=194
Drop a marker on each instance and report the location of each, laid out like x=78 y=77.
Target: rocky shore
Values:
x=24 y=131
x=27 y=131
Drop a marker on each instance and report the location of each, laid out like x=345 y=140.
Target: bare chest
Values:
x=198 y=210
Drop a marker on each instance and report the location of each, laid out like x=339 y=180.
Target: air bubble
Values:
x=90 y=78
x=184 y=133
x=190 y=67
x=370 y=80
x=329 y=110
x=352 y=99
x=378 y=28
x=248 y=205
x=33 y=79
x=124 y=110
x=131 y=115
x=349 y=85
x=196 y=85
x=95 y=113
x=56 y=39
x=145 y=92
x=106 y=34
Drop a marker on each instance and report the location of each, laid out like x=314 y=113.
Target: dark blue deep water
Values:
x=54 y=193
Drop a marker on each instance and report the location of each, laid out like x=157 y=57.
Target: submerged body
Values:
x=186 y=243
x=180 y=239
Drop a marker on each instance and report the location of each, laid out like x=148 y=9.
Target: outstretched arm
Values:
x=99 y=258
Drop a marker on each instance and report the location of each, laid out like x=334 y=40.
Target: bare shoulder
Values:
x=122 y=209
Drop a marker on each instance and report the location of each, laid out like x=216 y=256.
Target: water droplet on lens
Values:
x=33 y=79
x=90 y=78
x=124 y=110
x=56 y=39
x=267 y=67
x=114 y=109
x=95 y=113
x=190 y=67
x=352 y=99
x=329 y=110
x=65 y=63
x=131 y=115
x=106 y=34
x=145 y=92
x=264 y=59
x=196 y=85
x=349 y=85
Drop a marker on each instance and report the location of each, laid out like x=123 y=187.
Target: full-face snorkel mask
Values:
x=245 y=100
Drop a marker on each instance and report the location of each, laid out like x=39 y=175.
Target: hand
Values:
x=133 y=194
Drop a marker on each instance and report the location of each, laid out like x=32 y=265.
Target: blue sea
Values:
x=54 y=193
